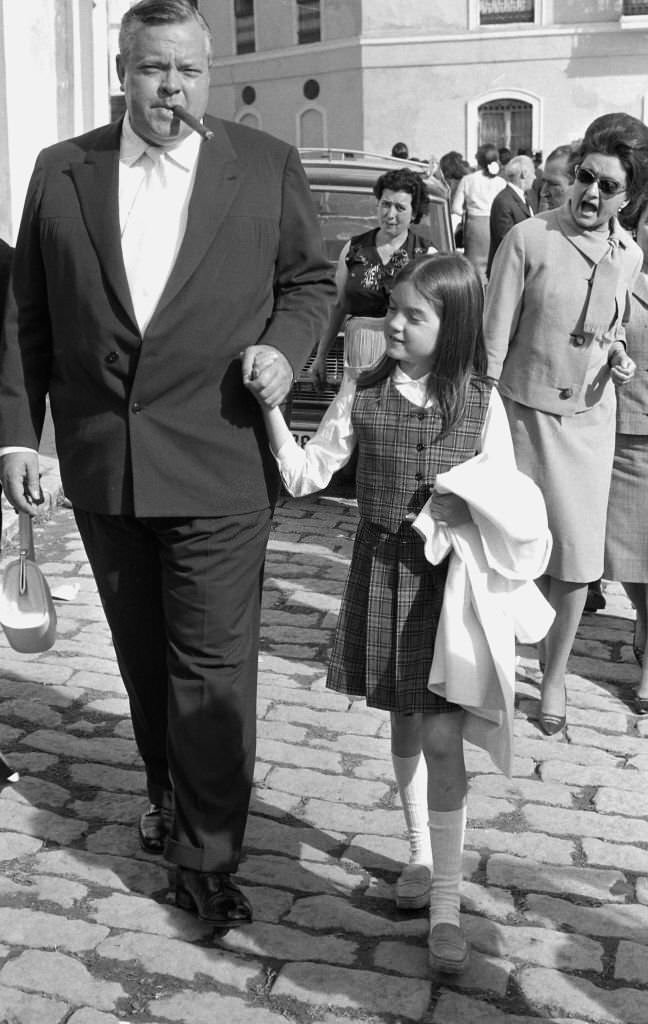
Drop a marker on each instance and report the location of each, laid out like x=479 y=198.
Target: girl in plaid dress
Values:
x=423 y=409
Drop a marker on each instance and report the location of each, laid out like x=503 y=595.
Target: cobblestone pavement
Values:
x=555 y=897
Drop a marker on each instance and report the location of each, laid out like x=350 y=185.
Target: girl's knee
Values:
x=405 y=734
x=442 y=735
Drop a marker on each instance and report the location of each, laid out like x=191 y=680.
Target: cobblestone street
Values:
x=555 y=895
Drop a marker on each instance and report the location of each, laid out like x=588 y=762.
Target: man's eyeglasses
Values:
x=607 y=186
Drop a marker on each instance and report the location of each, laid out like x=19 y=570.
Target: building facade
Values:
x=435 y=74
x=347 y=74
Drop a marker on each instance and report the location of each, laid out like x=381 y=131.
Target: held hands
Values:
x=449 y=509
x=622 y=367
x=21 y=481
x=267 y=374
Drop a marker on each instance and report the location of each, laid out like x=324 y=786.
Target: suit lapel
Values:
x=522 y=205
x=97 y=184
x=215 y=187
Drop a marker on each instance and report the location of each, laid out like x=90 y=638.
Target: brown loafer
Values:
x=153 y=829
x=448 y=948
x=213 y=897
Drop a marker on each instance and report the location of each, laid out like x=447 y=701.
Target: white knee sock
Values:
x=447 y=830
x=411 y=778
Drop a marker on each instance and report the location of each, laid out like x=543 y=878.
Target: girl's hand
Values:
x=267 y=374
x=449 y=509
x=622 y=367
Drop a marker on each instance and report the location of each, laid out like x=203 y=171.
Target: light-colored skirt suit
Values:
x=546 y=363
x=626 y=542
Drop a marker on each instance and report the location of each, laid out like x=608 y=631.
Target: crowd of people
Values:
x=165 y=289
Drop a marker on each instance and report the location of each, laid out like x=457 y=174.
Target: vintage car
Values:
x=342 y=187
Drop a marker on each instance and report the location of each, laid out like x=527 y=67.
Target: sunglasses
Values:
x=607 y=186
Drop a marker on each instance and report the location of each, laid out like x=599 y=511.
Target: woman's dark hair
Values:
x=452 y=285
x=403 y=179
x=485 y=155
x=625 y=137
x=453 y=166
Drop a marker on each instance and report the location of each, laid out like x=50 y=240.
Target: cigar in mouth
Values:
x=193 y=122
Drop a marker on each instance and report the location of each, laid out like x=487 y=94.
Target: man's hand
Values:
x=21 y=481
x=622 y=367
x=267 y=374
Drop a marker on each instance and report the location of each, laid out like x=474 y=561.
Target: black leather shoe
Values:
x=153 y=828
x=213 y=897
x=640 y=705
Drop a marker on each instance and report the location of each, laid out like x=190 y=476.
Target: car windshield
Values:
x=345 y=213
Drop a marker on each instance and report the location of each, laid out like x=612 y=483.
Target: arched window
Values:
x=505 y=117
x=506 y=122
x=310 y=128
x=248 y=117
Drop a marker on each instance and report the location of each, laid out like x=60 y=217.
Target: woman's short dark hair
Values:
x=402 y=179
x=453 y=166
x=158 y=12
x=486 y=154
x=625 y=137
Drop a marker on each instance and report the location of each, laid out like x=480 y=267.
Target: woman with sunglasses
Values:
x=556 y=304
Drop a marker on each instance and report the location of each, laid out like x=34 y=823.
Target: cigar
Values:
x=193 y=122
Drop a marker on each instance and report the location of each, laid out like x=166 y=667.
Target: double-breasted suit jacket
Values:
x=160 y=421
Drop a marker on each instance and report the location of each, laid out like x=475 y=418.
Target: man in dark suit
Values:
x=511 y=205
x=152 y=268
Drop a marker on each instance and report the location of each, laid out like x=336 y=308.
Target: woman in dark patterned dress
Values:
x=423 y=409
x=366 y=268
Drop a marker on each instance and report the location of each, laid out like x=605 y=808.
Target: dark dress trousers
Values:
x=162 y=450
x=508 y=208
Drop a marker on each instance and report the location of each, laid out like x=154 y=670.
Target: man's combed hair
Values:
x=158 y=12
x=451 y=284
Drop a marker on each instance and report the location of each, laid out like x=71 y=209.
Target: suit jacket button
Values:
x=565 y=393
x=136 y=407
x=112 y=357
x=577 y=340
x=420 y=447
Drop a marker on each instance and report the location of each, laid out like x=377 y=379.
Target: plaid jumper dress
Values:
x=392 y=600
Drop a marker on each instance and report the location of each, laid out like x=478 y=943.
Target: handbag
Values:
x=27 y=612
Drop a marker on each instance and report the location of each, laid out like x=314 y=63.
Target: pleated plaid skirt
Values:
x=388 y=621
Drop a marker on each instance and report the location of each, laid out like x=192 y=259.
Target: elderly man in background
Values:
x=511 y=205
x=557 y=178
x=155 y=271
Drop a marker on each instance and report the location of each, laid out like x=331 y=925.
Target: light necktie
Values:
x=148 y=240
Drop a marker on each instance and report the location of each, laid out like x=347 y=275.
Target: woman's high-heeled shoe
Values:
x=636 y=649
x=551 y=725
x=640 y=705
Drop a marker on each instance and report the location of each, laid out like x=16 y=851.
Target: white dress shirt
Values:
x=309 y=469
x=155 y=186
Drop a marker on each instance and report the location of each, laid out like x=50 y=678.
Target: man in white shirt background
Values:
x=151 y=268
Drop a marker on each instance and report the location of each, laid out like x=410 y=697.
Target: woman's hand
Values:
x=318 y=372
x=622 y=367
x=449 y=509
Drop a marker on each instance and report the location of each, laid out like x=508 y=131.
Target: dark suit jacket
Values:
x=507 y=209
x=160 y=424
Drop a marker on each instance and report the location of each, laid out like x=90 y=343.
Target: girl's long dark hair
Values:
x=451 y=284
